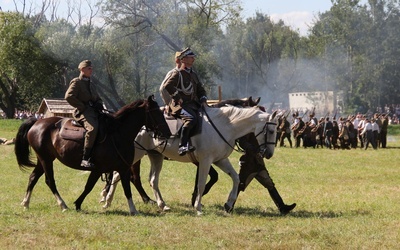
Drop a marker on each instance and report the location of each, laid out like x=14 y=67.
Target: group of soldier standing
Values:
x=345 y=133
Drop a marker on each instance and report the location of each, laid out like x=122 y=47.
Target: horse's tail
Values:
x=21 y=148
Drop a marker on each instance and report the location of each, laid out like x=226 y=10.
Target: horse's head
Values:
x=155 y=119
x=266 y=136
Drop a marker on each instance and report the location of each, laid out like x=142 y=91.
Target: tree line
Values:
x=351 y=48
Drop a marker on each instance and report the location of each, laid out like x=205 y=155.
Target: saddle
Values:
x=71 y=129
x=175 y=125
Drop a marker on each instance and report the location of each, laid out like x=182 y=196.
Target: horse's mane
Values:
x=122 y=112
x=114 y=121
x=234 y=112
x=233 y=102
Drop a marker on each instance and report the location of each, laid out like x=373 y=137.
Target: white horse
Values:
x=220 y=128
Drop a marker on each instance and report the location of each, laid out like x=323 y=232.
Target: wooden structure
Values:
x=55 y=107
x=211 y=102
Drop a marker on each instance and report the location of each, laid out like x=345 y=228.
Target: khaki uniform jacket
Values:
x=81 y=91
x=185 y=85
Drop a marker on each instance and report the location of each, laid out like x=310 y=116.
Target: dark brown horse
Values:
x=114 y=150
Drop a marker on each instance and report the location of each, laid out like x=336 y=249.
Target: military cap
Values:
x=84 y=64
x=186 y=53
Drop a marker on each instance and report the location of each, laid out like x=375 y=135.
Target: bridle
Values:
x=151 y=123
x=263 y=147
x=149 y=120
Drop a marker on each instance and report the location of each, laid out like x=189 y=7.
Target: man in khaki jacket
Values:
x=82 y=95
x=187 y=94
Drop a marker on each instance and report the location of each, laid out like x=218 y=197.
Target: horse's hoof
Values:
x=102 y=200
x=166 y=209
x=228 y=208
x=199 y=213
x=64 y=210
x=26 y=207
x=134 y=213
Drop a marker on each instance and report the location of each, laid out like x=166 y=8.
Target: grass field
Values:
x=346 y=199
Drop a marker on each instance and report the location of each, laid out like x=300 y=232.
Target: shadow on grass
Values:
x=184 y=209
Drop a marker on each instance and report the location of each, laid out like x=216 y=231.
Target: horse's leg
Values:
x=213 y=179
x=51 y=182
x=113 y=185
x=125 y=177
x=135 y=179
x=92 y=179
x=227 y=167
x=106 y=188
x=156 y=161
x=203 y=170
x=33 y=178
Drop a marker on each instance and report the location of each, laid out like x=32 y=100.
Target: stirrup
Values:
x=87 y=164
x=184 y=149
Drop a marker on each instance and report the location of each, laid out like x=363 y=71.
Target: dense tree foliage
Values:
x=27 y=73
x=351 y=48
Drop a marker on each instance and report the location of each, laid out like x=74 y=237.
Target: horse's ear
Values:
x=274 y=114
x=151 y=98
x=257 y=101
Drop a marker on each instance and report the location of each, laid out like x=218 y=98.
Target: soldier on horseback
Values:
x=82 y=95
x=187 y=94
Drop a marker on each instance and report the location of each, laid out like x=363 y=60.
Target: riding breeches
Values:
x=188 y=117
x=91 y=124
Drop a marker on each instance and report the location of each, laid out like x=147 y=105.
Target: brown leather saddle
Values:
x=70 y=129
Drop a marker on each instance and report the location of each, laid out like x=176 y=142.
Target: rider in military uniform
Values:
x=82 y=95
x=188 y=94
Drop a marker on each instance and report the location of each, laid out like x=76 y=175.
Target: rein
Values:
x=118 y=153
x=148 y=117
x=140 y=146
x=264 y=130
x=219 y=133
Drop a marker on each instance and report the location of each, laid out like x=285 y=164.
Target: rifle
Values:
x=304 y=114
x=334 y=117
x=286 y=116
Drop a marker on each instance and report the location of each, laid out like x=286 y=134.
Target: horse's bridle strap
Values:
x=219 y=133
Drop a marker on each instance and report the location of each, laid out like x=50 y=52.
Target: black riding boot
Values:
x=185 y=146
x=283 y=208
x=86 y=158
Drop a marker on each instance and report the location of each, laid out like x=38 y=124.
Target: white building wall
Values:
x=323 y=101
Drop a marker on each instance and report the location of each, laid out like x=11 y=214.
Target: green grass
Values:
x=8 y=127
x=346 y=199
